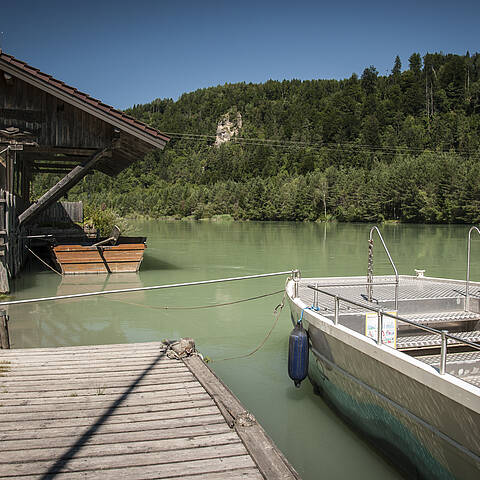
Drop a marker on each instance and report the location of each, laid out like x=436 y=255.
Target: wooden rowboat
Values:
x=125 y=256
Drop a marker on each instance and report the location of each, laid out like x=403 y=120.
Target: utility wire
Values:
x=345 y=148
x=329 y=145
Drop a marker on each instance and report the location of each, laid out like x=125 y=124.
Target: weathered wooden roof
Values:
x=58 y=88
x=136 y=138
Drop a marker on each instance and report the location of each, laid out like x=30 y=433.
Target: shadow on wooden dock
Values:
x=125 y=411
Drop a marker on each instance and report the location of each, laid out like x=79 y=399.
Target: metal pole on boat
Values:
x=380 y=327
x=370 y=265
x=337 y=308
x=467 y=284
x=443 y=353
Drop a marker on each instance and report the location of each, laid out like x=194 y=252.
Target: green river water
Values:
x=315 y=441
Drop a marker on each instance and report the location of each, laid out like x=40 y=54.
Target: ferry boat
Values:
x=398 y=357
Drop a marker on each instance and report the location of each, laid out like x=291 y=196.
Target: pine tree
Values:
x=415 y=63
x=397 y=67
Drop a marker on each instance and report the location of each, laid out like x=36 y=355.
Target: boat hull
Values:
x=428 y=433
x=81 y=259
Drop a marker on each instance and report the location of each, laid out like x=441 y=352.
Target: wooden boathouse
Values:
x=47 y=126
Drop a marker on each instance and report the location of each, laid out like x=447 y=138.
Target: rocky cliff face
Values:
x=228 y=126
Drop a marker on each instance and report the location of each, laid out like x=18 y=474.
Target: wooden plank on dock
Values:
x=125 y=411
x=268 y=457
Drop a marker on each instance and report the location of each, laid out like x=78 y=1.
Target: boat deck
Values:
x=436 y=303
x=125 y=411
x=410 y=288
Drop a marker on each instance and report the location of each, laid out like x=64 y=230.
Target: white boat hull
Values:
x=428 y=423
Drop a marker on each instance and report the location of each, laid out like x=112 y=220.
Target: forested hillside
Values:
x=368 y=148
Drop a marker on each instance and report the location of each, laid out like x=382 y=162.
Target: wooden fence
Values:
x=61 y=212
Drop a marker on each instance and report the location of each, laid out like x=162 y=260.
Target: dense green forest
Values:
x=403 y=146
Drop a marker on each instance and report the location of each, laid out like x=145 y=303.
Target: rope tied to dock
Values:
x=197 y=307
x=277 y=310
x=276 y=315
x=144 y=289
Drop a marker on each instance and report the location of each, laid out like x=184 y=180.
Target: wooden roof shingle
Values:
x=71 y=95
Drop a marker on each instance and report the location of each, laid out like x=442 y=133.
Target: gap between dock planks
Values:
x=125 y=411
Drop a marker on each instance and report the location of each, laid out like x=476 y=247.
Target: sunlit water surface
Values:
x=313 y=438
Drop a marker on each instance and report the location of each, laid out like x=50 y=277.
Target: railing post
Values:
x=337 y=307
x=296 y=280
x=443 y=353
x=380 y=327
x=4 y=335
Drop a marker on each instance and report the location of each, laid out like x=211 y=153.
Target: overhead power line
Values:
x=365 y=148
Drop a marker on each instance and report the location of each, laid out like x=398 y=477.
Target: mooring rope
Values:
x=276 y=312
x=144 y=289
x=45 y=263
x=276 y=315
x=199 y=307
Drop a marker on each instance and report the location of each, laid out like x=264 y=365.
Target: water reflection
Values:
x=72 y=321
x=310 y=435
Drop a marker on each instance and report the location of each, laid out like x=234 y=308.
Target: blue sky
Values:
x=128 y=52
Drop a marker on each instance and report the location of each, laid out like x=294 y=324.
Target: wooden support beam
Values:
x=57 y=160
x=58 y=190
x=62 y=171
x=15 y=136
x=4 y=334
x=68 y=166
x=29 y=155
x=86 y=152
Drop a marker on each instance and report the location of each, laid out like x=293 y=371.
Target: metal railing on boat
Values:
x=380 y=314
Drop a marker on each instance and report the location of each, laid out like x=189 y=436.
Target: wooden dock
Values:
x=125 y=411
